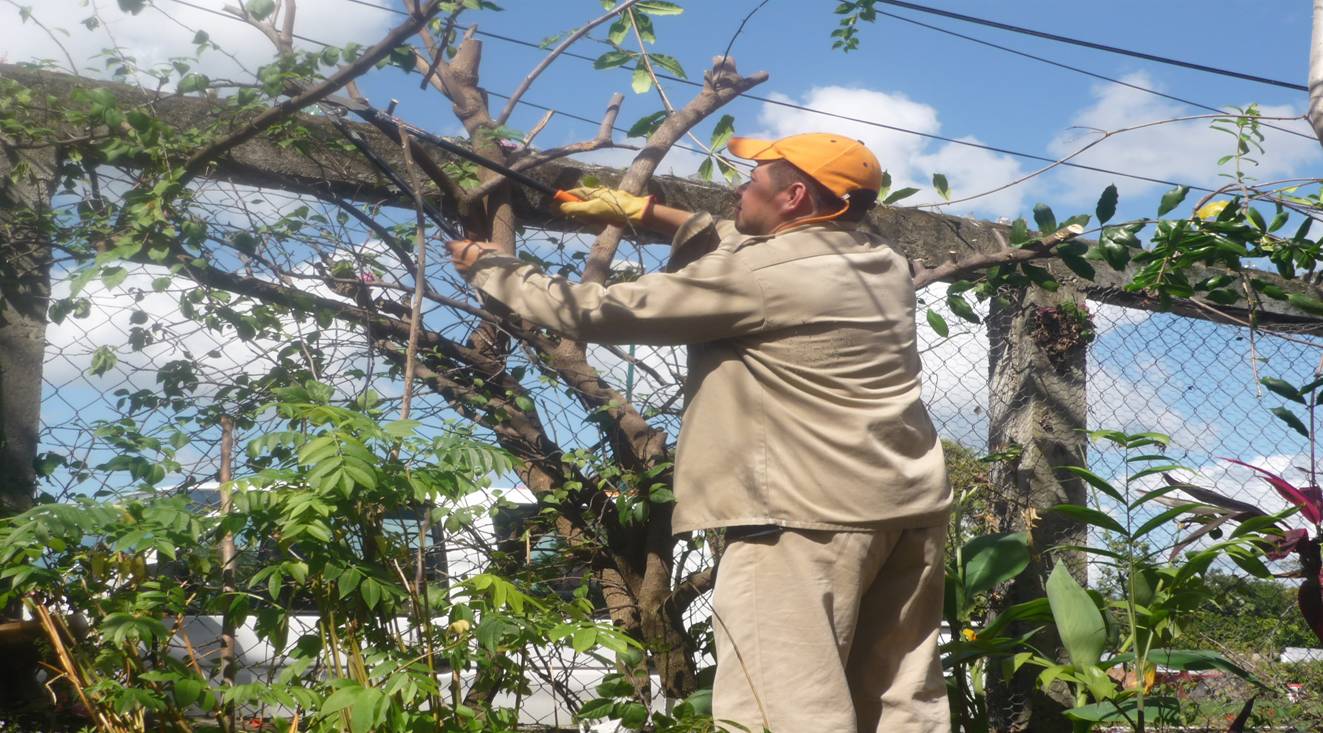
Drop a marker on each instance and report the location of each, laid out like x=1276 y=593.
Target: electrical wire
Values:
x=775 y=102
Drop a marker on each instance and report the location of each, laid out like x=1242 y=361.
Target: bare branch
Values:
x=542 y=123
x=722 y=84
x=1042 y=249
x=316 y=93
x=603 y=140
x=560 y=48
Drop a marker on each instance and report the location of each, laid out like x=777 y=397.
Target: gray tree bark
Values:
x=1037 y=401
x=26 y=186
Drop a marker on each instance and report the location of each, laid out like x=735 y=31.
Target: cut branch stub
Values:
x=722 y=83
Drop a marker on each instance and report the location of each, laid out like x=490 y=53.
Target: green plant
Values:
x=1143 y=627
x=114 y=583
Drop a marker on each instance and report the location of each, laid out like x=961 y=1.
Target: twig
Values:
x=316 y=93
x=560 y=48
x=924 y=275
x=542 y=123
x=726 y=54
x=420 y=277
x=602 y=140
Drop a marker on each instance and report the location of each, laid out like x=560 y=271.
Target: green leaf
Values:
x=1106 y=208
x=1290 y=418
x=1019 y=232
x=260 y=9
x=1094 y=480
x=634 y=716
x=658 y=7
x=1079 y=622
x=103 y=360
x=943 y=188
x=111 y=277
x=584 y=639
x=193 y=83
x=642 y=80
x=645 y=126
x=722 y=133
x=595 y=709
x=938 y=323
x=1305 y=303
x=1172 y=199
x=1091 y=516
x=1079 y=266
x=903 y=193
x=994 y=558
x=669 y=63
x=612 y=59
x=705 y=169
x=1045 y=219
x=1283 y=388
x=961 y=307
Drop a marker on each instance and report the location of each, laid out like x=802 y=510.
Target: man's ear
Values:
x=798 y=195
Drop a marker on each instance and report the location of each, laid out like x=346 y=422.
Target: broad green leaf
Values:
x=994 y=558
x=1283 y=388
x=260 y=9
x=1019 y=232
x=1090 y=515
x=194 y=83
x=1313 y=306
x=938 y=323
x=961 y=307
x=1106 y=208
x=658 y=7
x=1172 y=199
x=722 y=133
x=903 y=193
x=1079 y=622
x=1290 y=418
x=612 y=59
x=669 y=63
x=642 y=80
x=646 y=125
x=634 y=716
x=943 y=188
x=584 y=639
x=1094 y=480
x=1045 y=219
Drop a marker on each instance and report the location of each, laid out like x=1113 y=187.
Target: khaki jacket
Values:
x=802 y=394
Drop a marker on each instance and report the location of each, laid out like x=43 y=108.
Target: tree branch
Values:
x=1042 y=249
x=560 y=48
x=317 y=92
x=722 y=84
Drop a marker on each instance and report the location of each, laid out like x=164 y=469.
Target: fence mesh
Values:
x=115 y=355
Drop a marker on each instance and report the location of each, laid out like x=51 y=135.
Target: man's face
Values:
x=761 y=208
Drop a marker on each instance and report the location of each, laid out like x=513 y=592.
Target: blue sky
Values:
x=901 y=75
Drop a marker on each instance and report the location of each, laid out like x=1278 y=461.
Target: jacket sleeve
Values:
x=713 y=297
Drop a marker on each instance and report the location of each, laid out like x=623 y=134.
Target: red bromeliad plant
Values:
x=1307 y=500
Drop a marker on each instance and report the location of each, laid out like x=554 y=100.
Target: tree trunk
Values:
x=1036 y=401
x=26 y=179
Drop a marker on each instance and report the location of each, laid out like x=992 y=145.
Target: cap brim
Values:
x=752 y=148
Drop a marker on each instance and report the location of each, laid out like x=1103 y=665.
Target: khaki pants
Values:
x=831 y=632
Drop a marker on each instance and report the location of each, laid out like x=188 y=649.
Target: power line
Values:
x=1095 y=46
x=1086 y=72
x=774 y=102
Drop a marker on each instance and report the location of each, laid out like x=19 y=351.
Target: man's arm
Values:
x=712 y=298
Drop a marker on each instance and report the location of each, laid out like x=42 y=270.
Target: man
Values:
x=803 y=433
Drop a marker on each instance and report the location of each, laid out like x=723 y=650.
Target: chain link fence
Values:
x=152 y=357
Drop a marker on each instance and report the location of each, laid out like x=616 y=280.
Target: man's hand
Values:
x=464 y=252
x=608 y=206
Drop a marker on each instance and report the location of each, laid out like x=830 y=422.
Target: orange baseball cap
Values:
x=837 y=162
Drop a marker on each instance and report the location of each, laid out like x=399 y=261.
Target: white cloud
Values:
x=910 y=159
x=165 y=29
x=1185 y=152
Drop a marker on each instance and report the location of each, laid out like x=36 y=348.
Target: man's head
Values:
x=805 y=178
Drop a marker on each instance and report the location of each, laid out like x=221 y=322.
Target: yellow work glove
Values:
x=607 y=205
